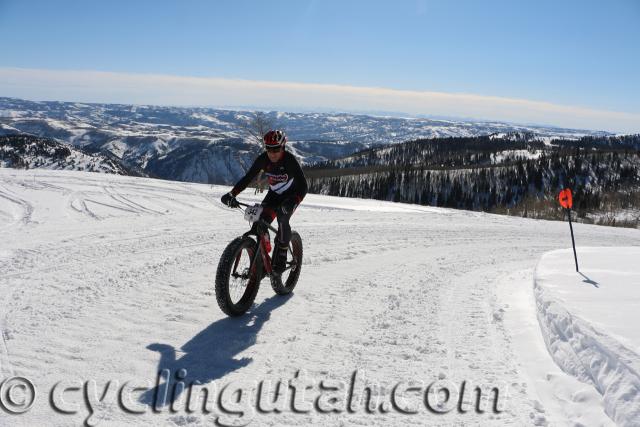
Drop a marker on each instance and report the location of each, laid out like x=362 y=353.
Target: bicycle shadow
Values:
x=209 y=355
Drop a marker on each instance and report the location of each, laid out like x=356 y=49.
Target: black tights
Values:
x=271 y=204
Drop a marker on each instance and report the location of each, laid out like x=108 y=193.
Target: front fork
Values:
x=264 y=252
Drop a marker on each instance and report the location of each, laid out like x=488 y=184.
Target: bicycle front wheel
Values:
x=236 y=280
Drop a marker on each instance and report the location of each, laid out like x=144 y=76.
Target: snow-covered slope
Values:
x=110 y=278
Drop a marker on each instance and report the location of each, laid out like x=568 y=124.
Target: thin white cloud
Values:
x=108 y=87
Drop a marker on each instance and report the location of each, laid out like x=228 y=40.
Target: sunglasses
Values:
x=273 y=149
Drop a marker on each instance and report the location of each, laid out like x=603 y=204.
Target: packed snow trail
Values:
x=110 y=278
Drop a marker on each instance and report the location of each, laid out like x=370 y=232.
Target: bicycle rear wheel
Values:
x=290 y=276
x=236 y=283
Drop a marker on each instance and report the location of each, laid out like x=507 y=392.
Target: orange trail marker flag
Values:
x=566 y=201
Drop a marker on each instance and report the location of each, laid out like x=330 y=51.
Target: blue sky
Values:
x=579 y=54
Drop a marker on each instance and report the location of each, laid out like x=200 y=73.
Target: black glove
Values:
x=287 y=207
x=230 y=200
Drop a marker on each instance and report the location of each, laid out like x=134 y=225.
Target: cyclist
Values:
x=287 y=188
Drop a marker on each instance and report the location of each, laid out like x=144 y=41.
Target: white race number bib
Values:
x=252 y=213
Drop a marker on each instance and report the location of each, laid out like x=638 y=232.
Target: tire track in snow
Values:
x=440 y=312
x=77 y=197
x=25 y=206
x=24 y=218
x=99 y=296
x=114 y=193
x=112 y=257
x=6 y=369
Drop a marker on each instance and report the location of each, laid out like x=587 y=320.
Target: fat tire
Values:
x=286 y=288
x=224 y=272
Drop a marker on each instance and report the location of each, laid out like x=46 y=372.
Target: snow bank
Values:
x=589 y=322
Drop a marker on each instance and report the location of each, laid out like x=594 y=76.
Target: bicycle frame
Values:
x=262 y=249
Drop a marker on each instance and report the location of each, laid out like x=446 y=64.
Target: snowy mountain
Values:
x=216 y=146
x=108 y=309
x=32 y=152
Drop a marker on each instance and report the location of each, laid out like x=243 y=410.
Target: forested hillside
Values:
x=515 y=174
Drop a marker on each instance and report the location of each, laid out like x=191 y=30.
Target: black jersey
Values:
x=285 y=176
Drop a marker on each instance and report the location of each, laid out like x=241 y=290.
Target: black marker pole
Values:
x=573 y=242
